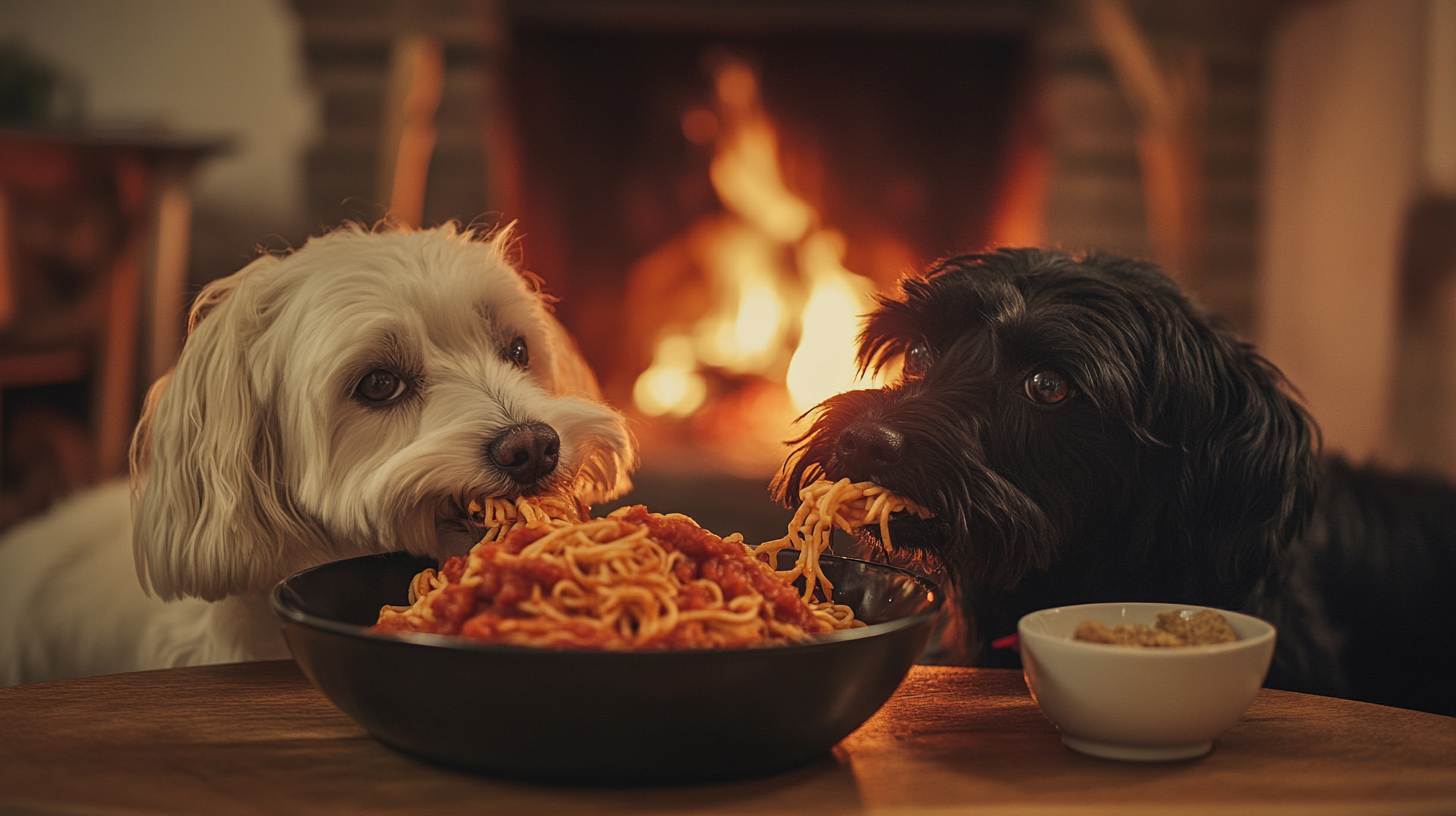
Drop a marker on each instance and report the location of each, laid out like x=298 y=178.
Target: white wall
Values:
x=214 y=67
x=1350 y=129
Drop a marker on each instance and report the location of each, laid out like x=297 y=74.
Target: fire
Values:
x=783 y=305
x=672 y=385
x=824 y=365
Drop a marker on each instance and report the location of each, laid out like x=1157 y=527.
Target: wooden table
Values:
x=258 y=738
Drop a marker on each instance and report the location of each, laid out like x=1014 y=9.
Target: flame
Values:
x=785 y=307
x=745 y=170
x=672 y=384
x=746 y=330
x=824 y=363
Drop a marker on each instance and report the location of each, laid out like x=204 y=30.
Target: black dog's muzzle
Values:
x=867 y=449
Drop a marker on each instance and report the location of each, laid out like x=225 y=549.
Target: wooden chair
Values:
x=94 y=233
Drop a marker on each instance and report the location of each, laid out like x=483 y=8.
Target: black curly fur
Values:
x=1179 y=469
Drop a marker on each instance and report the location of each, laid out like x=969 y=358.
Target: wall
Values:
x=1351 y=149
x=346 y=45
x=1095 y=192
x=231 y=68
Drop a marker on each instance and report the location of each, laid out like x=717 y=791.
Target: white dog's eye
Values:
x=918 y=359
x=380 y=385
x=518 y=354
x=1048 y=387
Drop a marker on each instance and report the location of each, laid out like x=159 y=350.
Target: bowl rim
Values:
x=1266 y=632
x=288 y=610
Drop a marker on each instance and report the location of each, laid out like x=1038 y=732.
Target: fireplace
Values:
x=906 y=130
x=716 y=208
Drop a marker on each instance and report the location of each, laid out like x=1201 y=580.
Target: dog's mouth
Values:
x=461 y=521
x=459 y=524
x=919 y=521
x=909 y=532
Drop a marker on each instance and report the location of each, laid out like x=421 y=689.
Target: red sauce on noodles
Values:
x=477 y=611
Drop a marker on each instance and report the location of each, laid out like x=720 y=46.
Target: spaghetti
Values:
x=633 y=580
x=825 y=505
x=501 y=516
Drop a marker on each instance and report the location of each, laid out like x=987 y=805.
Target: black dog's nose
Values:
x=867 y=448
x=526 y=452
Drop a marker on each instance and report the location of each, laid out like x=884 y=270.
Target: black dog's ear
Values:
x=1245 y=482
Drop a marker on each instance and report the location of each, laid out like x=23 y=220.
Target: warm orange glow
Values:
x=745 y=331
x=700 y=125
x=823 y=365
x=672 y=385
x=745 y=170
x=784 y=307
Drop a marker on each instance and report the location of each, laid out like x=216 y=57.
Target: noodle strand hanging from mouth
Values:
x=502 y=516
x=824 y=506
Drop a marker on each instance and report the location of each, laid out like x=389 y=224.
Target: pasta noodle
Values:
x=500 y=516
x=542 y=576
x=825 y=505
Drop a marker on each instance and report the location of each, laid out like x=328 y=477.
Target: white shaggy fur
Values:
x=257 y=458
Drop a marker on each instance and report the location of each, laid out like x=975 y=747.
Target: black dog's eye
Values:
x=517 y=353
x=380 y=385
x=918 y=359
x=1048 y=387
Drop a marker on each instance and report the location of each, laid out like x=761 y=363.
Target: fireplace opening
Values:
x=711 y=207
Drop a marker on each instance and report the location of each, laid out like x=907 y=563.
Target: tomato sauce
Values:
x=478 y=611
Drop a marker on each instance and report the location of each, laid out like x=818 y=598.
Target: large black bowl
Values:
x=596 y=716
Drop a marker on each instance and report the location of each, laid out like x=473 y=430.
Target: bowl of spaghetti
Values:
x=632 y=649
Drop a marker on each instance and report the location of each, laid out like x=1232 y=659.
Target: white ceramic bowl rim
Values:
x=1027 y=628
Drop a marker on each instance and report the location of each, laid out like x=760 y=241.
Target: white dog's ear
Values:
x=206 y=510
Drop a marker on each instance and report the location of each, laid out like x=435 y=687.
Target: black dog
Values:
x=1084 y=432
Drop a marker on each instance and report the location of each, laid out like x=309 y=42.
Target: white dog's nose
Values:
x=526 y=453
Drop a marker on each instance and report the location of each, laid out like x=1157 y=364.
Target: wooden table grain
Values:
x=258 y=738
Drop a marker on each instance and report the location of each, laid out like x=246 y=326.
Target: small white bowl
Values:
x=1138 y=703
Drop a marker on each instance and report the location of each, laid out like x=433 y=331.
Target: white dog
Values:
x=349 y=398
